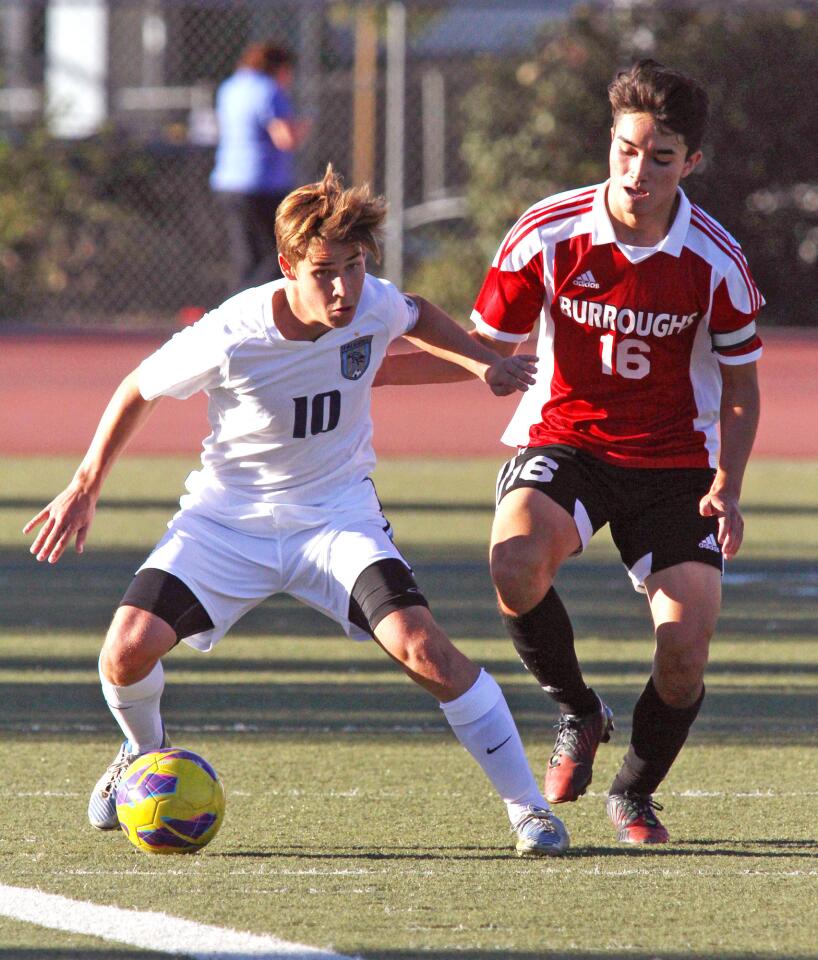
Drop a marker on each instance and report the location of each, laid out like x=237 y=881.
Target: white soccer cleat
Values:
x=102 y=805
x=541 y=834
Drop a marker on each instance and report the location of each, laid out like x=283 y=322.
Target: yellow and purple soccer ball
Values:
x=170 y=801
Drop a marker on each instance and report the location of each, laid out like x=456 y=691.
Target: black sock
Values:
x=544 y=641
x=659 y=733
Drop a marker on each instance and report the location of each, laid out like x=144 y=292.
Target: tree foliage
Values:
x=540 y=125
x=105 y=231
x=61 y=220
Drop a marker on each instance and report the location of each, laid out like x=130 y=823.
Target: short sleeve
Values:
x=412 y=312
x=735 y=306
x=395 y=310
x=510 y=301
x=193 y=359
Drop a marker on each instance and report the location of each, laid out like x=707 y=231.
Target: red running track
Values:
x=53 y=388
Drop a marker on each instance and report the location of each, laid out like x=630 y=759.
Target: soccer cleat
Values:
x=102 y=805
x=633 y=817
x=541 y=834
x=571 y=764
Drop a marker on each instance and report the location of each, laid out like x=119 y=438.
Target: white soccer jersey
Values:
x=290 y=419
x=630 y=338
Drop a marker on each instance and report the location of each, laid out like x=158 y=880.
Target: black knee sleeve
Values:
x=385 y=586
x=165 y=595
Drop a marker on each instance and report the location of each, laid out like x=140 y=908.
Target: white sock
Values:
x=136 y=709
x=482 y=722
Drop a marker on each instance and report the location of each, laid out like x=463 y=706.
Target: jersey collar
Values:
x=673 y=241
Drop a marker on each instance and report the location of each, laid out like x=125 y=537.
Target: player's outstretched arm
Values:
x=70 y=513
x=739 y=415
x=450 y=354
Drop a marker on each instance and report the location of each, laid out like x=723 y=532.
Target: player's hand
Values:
x=731 y=523
x=508 y=374
x=68 y=516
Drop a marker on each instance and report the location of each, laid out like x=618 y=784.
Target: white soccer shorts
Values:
x=315 y=556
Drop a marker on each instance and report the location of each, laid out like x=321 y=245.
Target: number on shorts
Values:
x=535 y=470
x=324 y=413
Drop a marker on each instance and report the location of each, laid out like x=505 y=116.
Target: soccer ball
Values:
x=170 y=801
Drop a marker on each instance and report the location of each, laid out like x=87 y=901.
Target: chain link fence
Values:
x=108 y=133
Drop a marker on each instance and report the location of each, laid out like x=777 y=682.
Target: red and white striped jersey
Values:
x=630 y=338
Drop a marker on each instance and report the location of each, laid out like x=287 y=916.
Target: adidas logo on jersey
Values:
x=709 y=543
x=586 y=279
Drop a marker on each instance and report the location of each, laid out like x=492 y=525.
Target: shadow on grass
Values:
x=703 y=848
x=442 y=853
x=217 y=664
x=348 y=693
x=80 y=593
x=378 y=710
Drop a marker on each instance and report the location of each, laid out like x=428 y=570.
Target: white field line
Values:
x=150 y=930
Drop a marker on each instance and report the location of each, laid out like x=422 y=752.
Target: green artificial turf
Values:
x=354 y=820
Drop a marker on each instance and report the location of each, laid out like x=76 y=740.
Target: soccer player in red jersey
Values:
x=643 y=417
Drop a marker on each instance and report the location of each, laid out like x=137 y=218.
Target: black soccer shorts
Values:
x=653 y=513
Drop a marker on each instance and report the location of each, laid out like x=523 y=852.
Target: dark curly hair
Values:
x=676 y=101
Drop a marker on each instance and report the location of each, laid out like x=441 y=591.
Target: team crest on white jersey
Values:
x=355 y=357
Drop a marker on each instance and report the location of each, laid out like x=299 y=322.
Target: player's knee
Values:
x=413 y=636
x=521 y=576
x=680 y=666
x=120 y=663
x=680 y=689
x=131 y=646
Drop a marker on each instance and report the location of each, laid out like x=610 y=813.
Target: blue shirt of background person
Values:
x=254 y=167
x=248 y=104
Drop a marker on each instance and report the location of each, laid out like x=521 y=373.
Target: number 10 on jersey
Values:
x=323 y=411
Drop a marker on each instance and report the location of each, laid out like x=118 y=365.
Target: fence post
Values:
x=395 y=101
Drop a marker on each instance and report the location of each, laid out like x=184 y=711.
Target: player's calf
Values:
x=426 y=654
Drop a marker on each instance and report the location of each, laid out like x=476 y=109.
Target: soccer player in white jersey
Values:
x=643 y=416
x=283 y=501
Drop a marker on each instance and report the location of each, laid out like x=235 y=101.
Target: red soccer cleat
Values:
x=634 y=819
x=571 y=764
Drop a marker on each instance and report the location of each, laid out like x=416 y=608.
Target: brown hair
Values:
x=674 y=100
x=326 y=211
x=265 y=57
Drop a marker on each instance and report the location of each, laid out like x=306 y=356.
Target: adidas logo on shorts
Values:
x=709 y=543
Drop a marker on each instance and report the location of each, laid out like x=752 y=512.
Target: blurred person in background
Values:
x=254 y=168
